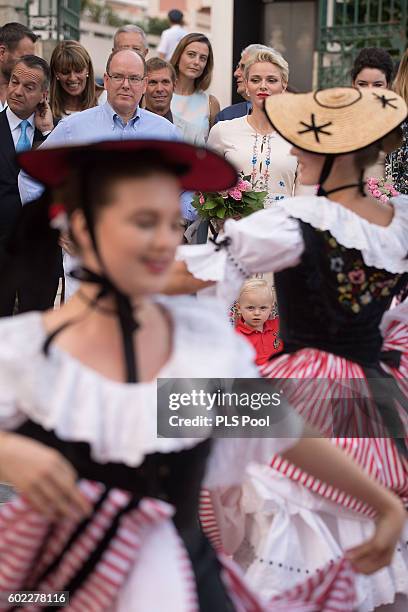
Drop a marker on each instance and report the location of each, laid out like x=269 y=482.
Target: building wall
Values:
x=190 y=8
x=290 y=28
x=98 y=40
x=222 y=28
x=125 y=10
x=13 y=10
x=167 y=5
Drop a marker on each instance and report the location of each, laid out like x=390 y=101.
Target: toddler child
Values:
x=255 y=305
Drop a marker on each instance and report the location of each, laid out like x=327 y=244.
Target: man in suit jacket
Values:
x=23 y=124
x=16 y=40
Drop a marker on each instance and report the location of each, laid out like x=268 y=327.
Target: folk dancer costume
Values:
x=141 y=549
x=336 y=274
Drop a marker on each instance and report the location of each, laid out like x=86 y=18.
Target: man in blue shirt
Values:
x=120 y=118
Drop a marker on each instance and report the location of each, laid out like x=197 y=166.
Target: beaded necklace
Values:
x=263 y=179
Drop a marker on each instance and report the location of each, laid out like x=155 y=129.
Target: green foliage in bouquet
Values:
x=240 y=201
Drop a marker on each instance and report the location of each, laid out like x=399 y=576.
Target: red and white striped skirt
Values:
x=29 y=543
x=377 y=455
x=289 y=530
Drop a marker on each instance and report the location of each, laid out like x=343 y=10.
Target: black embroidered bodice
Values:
x=333 y=301
x=172 y=477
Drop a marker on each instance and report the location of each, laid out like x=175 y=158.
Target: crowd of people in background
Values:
x=166 y=96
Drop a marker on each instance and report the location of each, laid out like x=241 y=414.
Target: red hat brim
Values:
x=198 y=169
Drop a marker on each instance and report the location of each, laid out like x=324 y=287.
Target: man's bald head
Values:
x=126 y=53
x=125 y=81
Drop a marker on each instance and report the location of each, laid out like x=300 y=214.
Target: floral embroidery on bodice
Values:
x=357 y=284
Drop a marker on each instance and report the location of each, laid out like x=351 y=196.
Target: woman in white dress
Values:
x=250 y=143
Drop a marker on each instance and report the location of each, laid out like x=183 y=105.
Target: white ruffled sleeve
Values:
x=266 y=241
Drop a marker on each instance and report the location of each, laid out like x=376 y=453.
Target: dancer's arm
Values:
x=322 y=460
x=266 y=241
x=42 y=475
x=182 y=281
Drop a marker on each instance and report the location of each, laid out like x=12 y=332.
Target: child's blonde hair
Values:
x=254 y=284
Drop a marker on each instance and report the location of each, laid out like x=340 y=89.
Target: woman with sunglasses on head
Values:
x=82 y=403
x=339 y=258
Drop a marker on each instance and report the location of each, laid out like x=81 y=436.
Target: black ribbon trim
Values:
x=95 y=557
x=222 y=244
x=81 y=527
x=127 y=321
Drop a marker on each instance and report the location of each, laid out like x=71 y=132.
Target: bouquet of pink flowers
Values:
x=240 y=201
x=381 y=189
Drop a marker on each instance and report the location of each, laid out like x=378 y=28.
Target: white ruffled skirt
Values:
x=291 y=533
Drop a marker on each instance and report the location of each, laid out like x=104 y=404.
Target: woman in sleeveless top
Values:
x=193 y=109
x=339 y=258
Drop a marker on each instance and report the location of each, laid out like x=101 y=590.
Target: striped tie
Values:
x=23 y=143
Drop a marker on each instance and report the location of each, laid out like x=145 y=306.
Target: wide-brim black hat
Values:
x=198 y=169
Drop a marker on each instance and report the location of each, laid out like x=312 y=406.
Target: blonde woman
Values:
x=250 y=143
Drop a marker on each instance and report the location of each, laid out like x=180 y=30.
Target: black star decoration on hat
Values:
x=316 y=129
x=385 y=101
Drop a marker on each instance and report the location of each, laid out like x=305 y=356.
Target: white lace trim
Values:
x=381 y=247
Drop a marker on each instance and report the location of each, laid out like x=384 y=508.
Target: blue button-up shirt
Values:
x=98 y=124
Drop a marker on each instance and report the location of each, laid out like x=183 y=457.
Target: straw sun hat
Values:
x=338 y=120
